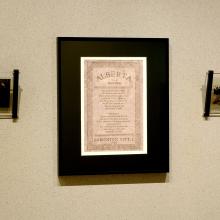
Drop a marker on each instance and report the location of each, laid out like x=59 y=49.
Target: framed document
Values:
x=113 y=105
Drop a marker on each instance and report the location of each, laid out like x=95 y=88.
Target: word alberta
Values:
x=113 y=74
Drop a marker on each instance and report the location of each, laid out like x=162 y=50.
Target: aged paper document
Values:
x=113 y=105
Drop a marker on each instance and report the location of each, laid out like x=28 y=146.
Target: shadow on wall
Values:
x=113 y=179
x=203 y=91
x=203 y=94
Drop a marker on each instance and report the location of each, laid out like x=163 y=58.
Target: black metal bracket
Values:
x=208 y=93
x=15 y=94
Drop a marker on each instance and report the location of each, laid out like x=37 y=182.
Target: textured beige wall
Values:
x=29 y=187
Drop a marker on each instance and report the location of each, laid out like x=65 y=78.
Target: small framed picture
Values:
x=215 y=97
x=212 y=102
x=113 y=105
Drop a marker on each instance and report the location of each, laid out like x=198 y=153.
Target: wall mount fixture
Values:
x=9 y=90
x=212 y=100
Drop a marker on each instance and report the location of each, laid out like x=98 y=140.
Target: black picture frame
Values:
x=69 y=51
